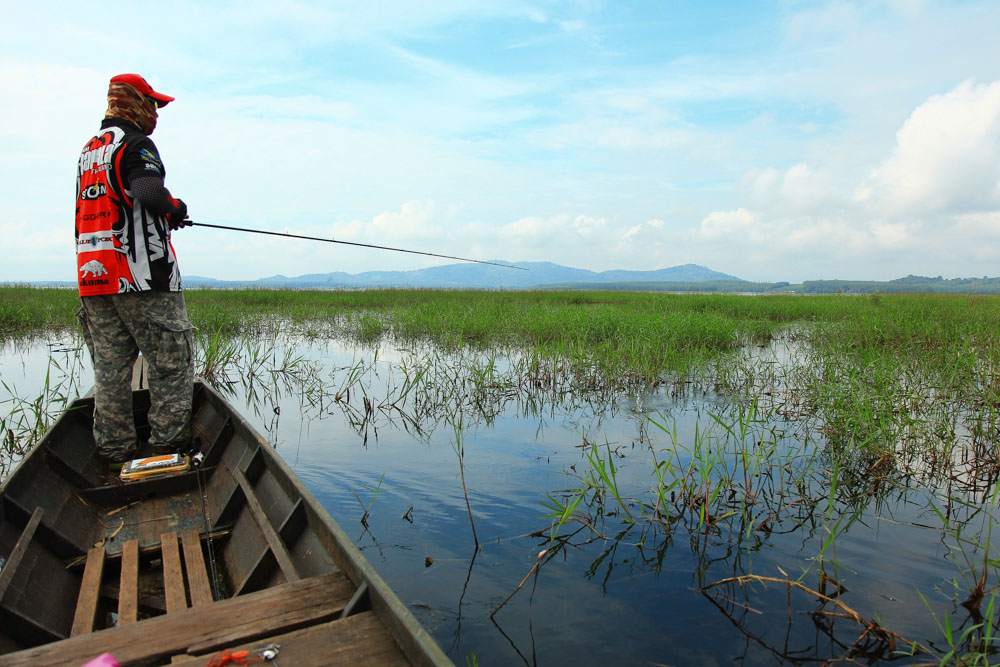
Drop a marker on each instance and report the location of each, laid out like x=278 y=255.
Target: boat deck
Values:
x=303 y=618
x=153 y=574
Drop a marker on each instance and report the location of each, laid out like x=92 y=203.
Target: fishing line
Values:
x=188 y=223
x=198 y=460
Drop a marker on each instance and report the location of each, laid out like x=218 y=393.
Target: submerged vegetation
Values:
x=840 y=412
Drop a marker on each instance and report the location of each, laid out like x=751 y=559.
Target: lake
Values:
x=704 y=523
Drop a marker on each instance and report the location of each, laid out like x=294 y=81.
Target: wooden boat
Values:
x=236 y=555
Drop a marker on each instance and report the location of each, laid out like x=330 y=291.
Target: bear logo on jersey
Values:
x=94 y=268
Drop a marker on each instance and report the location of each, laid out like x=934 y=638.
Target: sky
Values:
x=789 y=140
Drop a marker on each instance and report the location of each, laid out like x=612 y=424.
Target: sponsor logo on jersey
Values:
x=149 y=156
x=95 y=191
x=97 y=159
x=94 y=268
x=95 y=241
x=87 y=217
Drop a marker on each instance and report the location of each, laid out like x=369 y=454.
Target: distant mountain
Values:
x=545 y=275
x=483 y=276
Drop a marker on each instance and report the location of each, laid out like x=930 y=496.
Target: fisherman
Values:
x=130 y=286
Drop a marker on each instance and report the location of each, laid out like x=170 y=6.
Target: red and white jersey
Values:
x=121 y=246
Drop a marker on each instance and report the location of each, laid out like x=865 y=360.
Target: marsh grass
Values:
x=714 y=481
x=968 y=534
x=603 y=336
x=746 y=473
x=375 y=491
x=25 y=310
x=459 y=447
x=839 y=404
x=24 y=417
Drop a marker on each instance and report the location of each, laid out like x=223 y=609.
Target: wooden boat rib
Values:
x=91 y=565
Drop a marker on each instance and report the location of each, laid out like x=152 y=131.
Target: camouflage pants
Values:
x=116 y=328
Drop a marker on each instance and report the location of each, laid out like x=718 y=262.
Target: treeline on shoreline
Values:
x=908 y=285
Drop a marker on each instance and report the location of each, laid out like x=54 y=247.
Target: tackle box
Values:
x=167 y=464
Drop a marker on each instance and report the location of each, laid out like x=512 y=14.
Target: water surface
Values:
x=386 y=465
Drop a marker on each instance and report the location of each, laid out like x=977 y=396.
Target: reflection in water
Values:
x=695 y=521
x=35 y=389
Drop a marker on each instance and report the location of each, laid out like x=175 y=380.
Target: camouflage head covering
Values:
x=126 y=102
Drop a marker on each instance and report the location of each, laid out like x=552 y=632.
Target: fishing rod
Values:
x=188 y=223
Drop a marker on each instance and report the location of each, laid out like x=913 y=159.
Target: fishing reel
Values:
x=194 y=453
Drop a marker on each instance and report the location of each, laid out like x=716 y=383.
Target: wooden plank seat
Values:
x=356 y=640
x=176 y=593
x=90 y=593
x=206 y=628
x=198 y=584
x=197 y=576
x=128 y=590
x=173 y=573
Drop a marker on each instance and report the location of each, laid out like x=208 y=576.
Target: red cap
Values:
x=143 y=87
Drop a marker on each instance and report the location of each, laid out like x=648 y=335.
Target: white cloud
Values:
x=726 y=223
x=801 y=189
x=891 y=234
x=586 y=225
x=987 y=223
x=838 y=146
x=947 y=155
x=528 y=227
x=930 y=201
x=412 y=220
x=827 y=21
x=36 y=252
x=772 y=247
x=558 y=226
x=646 y=239
x=978 y=235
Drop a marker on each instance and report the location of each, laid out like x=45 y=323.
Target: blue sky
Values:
x=773 y=141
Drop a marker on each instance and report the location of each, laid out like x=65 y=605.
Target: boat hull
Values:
x=234 y=554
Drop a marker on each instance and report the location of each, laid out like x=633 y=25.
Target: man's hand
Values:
x=176 y=218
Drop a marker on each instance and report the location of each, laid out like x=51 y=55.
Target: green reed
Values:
x=837 y=402
x=739 y=472
x=25 y=310
x=25 y=416
x=967 y=532
x=646 y=336
x=375 y=491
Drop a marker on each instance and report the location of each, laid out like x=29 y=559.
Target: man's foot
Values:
x=117 y=453
x=190 y=448
x=116 y=462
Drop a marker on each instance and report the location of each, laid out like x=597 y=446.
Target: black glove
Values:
x=176 y=218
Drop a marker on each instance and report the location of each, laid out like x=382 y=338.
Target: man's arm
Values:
x=152 y=194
